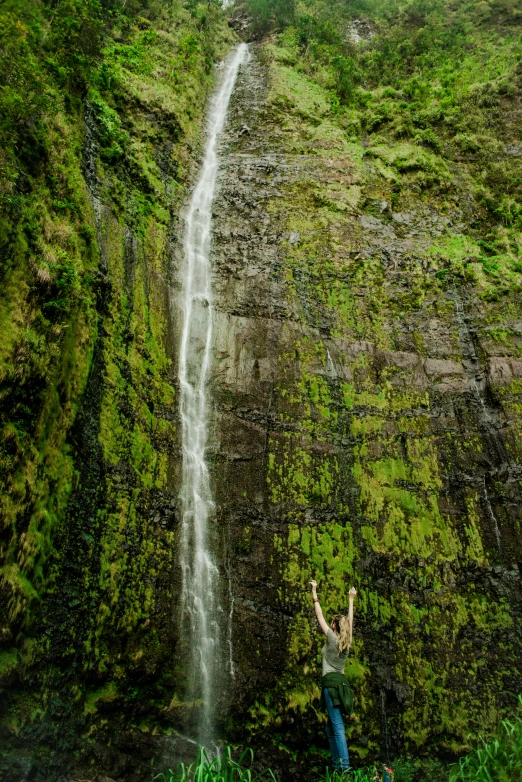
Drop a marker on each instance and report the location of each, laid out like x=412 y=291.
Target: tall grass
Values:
x=220 y=769
x=496 y=760
x=369 y=774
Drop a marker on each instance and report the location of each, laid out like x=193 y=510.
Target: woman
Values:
x=336 y=692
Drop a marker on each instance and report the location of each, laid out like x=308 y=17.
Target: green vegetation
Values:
x=432 y=87
x=496 y=760
x=101 y=107
x=106 y=66
x=219 y=769
x=401 y=120
x=369 y=774
x=398 y=126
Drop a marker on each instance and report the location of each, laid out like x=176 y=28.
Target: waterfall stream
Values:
x=203 y=615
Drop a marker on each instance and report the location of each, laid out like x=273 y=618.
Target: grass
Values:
x=220 y=769
x=496 y=760
x=369 y=774
x=226 y=769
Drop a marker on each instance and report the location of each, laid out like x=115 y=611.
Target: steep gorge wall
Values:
x=89 y=438
x=368 y=432
x=366 y=384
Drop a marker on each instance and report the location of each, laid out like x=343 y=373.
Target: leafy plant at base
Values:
x=496 y=760
x=220 y=769
x=368 y=774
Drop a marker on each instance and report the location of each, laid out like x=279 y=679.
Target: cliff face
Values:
x=368 y=425
x=366 y=381
x=93 y=179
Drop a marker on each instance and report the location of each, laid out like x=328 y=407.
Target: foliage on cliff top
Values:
x=432 y=88
x=50 y=55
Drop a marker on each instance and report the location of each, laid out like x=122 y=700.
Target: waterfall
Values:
x=384 y=725
x=203 y=615
x=90 y=174
x=492 y=517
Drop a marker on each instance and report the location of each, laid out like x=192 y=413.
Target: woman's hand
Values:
x=351 y=594
x=318 y=609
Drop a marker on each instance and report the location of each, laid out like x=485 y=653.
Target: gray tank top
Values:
x=332 y=661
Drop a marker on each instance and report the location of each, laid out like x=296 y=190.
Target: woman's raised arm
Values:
x=351 y=595
x=318 y=609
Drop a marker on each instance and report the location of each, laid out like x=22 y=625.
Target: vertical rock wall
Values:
x=366 y=430
x=368 y=433
x=89 y=445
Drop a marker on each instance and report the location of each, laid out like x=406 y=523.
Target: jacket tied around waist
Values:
x=339 y=690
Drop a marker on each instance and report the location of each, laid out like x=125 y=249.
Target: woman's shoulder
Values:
x=332 y=637
x=333 y=640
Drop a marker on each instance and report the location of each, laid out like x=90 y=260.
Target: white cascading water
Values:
x=202 y=612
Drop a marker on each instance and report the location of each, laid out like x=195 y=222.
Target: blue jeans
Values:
x=336 y=735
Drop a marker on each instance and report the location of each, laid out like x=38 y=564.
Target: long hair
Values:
x=342 y=630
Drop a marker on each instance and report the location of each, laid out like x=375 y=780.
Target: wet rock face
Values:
x=366 y=432
x=89 y=657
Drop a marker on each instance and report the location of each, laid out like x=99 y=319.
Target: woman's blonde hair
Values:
x=342 y=630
